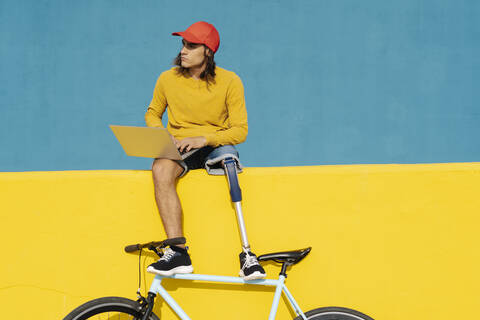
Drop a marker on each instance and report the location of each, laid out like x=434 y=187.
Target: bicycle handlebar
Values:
x=155 y=244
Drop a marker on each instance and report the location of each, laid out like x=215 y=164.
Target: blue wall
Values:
x=327 y=82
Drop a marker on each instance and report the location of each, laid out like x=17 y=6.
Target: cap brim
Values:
x=187 y=36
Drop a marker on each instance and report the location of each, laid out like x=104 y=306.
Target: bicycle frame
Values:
x=156 y=287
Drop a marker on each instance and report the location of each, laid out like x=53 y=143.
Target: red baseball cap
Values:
x=201 y=32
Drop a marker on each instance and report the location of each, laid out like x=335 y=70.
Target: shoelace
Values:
x=249 y=261
x=167 y=255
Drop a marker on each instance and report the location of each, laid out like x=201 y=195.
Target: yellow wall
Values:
x=394 y=241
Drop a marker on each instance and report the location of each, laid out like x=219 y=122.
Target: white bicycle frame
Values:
x=156 y=287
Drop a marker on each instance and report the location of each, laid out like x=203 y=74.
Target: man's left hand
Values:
x=188 y=144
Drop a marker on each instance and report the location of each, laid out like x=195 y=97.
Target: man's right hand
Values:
x=190 y=143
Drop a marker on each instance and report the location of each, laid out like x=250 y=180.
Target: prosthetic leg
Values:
x=230 y=166
x=250 y=269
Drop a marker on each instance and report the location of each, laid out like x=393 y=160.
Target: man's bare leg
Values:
x=174 y=259
x=165 y=174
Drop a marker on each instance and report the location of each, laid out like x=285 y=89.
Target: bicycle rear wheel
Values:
x=108 y=308
x=334 y=313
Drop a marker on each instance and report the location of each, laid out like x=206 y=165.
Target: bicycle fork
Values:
x=148 y=301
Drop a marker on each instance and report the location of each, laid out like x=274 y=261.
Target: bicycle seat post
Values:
x=285 y=265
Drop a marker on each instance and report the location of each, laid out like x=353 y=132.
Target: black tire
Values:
x=122 y=308
x=334 y=313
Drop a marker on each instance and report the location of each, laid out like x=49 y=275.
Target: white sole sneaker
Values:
x=254 y=276
x=180 y=269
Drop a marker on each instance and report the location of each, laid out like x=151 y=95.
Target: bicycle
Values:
x=142 y=307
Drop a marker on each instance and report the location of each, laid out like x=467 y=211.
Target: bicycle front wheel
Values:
x=334 y=313
x=108 y=308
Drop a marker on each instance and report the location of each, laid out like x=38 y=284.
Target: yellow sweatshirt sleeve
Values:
x=153 y=116
x=237 y=117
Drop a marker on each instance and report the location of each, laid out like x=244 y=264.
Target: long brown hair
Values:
x=208 y=74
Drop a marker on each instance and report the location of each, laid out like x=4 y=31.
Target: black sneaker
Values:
x=250 y=269
x=174 y=260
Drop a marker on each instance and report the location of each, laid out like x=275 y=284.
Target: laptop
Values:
x=148 y=142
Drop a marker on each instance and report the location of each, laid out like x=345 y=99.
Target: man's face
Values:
x=192 y=54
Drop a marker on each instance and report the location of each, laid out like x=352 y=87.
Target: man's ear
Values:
x=208 y=52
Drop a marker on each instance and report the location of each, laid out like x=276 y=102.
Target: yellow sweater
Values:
x=217 y=113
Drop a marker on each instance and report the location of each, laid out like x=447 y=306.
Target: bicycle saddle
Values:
x=291 y=257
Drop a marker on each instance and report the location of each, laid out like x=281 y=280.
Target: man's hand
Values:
x=188 y=144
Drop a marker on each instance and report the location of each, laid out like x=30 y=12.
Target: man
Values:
x=206 y=117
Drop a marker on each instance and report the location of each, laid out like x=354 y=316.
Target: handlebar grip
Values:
x=132 y=247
